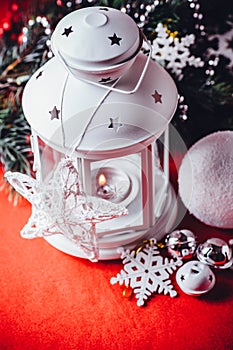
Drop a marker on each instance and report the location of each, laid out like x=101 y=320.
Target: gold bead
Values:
x=139 y=249
x=160 y=245
x=174 y=34
x=127 y=292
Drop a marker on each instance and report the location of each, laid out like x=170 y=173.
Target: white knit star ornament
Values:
x=59 y=206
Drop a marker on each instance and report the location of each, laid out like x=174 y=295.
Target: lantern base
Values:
x=163 y=224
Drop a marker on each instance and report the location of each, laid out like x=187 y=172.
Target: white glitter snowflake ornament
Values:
x=59 y=206
x=146 y=272
x=174 y=53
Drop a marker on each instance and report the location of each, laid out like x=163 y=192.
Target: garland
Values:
x=182 y=27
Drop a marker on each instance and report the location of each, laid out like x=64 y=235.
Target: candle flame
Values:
x=102 y=180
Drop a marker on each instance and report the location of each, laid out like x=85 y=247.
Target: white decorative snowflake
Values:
x=146 y=272
x=60 y=207
x=225 y=49
x=174 y=53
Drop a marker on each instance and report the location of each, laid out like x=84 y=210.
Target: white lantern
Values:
x=101 y=99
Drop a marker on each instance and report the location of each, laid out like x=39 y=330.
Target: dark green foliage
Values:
x=209 y=106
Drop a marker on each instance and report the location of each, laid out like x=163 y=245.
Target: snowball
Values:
x=206 y=179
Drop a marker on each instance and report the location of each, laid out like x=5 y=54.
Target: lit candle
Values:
x=112 y=184
x=105 y=190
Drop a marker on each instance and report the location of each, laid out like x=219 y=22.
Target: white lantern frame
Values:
x=139 y=116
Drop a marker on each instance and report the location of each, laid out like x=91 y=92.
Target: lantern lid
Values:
x=99 y=122
x=96 y=37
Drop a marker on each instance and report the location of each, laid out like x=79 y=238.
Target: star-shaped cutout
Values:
x=115 y=124
x=157 y=97
x=54 y=113
x=182 y=278
x=230 y=43
x=105 y=80
x=39 y=74
x=115 y=39
x=67 y=31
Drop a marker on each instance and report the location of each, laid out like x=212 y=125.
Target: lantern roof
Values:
x=65 y=101
x=65 y=111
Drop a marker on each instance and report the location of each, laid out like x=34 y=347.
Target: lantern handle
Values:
x=36 y=152
x=112 y=88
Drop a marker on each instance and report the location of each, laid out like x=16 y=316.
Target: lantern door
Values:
x=126 y=180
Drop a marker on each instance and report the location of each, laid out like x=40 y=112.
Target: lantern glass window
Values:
x=118 y=180
x=129 y=180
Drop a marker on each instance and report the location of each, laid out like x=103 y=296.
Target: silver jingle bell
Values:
x=181 y=243
x=216 y=253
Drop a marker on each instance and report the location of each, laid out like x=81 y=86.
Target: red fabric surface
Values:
x=49 y=300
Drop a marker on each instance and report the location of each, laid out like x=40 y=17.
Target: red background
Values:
x=49 y=300
x=25 y=6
